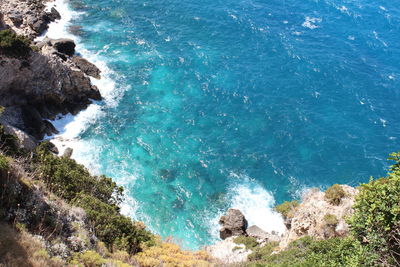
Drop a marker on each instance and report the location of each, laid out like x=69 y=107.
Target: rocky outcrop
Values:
x=27 y=18
x=318 y=218
x=262 y=236
x=37 y=87
x=88 y=68
x=64 y=46
x=228 y=252
x=24 y=140
x=233 y=224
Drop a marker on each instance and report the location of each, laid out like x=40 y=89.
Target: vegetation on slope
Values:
x=14 y=45
x=123 y=241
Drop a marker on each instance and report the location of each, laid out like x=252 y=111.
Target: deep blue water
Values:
x=239 y=103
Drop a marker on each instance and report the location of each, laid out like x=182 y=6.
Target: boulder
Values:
x=233 y=224
x=64 y=46
x=24 y=140
x=86 y=67
x=16 y=18
x=54 y=14
x=68 y=152
x=261 y=235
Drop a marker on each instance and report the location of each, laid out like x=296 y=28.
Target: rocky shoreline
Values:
x=309 y=218
x=50 y=80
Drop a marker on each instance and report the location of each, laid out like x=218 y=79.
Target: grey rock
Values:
x=233 y=224
x=64 y=46
x=24 y=140
x=261 y=235
x=86 y=67
x=16 y=18
x=68 y=152
x=54 y=14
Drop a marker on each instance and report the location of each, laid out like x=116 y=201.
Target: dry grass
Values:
x=21 y=249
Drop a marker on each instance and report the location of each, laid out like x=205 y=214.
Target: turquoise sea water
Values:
x=215 y=104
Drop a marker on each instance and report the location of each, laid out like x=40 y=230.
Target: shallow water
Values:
x=217 y=104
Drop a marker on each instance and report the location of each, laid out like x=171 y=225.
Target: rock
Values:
x=24 y=140
x=52 y=147
x=228 y=252
x=16 y=18
x=68 y=152
x=233 y=224
x=261 y=235
x=54 y=14
x=64 y=46
x=87 y=67
x=76 y=30
x=309 y=217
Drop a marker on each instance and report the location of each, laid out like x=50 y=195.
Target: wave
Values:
x=254 y=201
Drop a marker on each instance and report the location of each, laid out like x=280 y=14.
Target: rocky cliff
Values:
x=48 y=79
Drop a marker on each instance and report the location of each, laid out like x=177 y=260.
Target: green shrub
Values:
x=331 y=220
x=249 y=241
x=67 y=178
x=88 y=259
x=260 y=253
x=8 y=143
x=3 y=163
x=376 y=219
x=112 y=228
x=334 y=194
x=13 y=45
x=307 y=252
x=287 y=208
x=98 y=196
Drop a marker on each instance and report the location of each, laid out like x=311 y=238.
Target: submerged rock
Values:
x=233 y=224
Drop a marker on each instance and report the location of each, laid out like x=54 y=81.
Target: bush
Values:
x=260 y=253
x=112 y=228
x=334 y=194
x=331 y=220
x=13 y=45
x=8 y=143
x=376 y=220
x=304 y=252
x=249 y=241
x=88 y=259
x=287 y=208
x=168 y=254
x=66 y=178
x=3 y=163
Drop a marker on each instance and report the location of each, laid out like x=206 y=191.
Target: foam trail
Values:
x=256 y=204
x=71 y=127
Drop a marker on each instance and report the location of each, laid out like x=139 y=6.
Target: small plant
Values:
x=248 y=241
x=3 y=163
x=334 y=194
x=13 y=45
x=287 y=208
x=331 y=220
x=89 y=259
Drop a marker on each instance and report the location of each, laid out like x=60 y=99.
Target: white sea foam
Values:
x=71 y=127
x=311 y=23
x=255 y=202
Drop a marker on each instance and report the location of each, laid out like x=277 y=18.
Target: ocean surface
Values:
x=238 y=103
